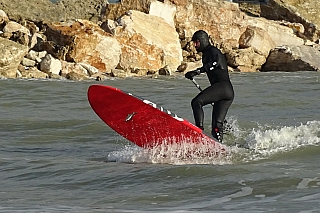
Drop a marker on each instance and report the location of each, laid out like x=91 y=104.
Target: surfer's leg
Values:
x=202 y=99
x=213 y=120
x=215 y=123
x=224 y=97
x=198 y=113
x=221 y=109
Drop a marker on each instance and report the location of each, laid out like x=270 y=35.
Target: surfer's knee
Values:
x=196 y=103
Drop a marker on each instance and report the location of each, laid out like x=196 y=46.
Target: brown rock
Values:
x=76 y=76
x=258 y=39
x=147 y=42
x=68 y=67
x=141 y=72
x=245 y=59
x=16 y=32
x=280 y=34
x=221 y=20
x=293 y=58
x=120 y=73
x=11 y=54
x=32 y=72
x=83 y=41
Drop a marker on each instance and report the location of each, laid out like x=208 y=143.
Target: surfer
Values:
x=220 y=92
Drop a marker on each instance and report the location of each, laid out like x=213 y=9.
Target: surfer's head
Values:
x=201 y=40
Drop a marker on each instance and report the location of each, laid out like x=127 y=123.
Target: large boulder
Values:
x=50 y=65
x=258 y=39
x=166 y=10
x=139 y=37
x=223 y=21
x=245 y=60
x=163 y=10
x=16 y=32
x=280 y=34
x=147 y=42
x=254 y=47
x=11 y=54
x=83 y=41
x=32 y=72
x=293 y=58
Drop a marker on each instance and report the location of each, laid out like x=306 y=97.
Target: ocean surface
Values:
x=56 y=155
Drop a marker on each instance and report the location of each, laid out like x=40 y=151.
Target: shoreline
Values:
x=142 y=42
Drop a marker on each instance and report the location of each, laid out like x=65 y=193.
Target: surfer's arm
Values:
x=210 y=60
x=205 y=68
x=191 y=74
x=208 y=67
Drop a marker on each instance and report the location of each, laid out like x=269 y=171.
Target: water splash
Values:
x=177 y=154
x=285 y=138
x=266 y=141
x=243 y=145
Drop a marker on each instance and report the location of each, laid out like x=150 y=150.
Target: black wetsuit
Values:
x=220 y=92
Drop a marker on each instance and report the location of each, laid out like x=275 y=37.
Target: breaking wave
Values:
x=243 y=144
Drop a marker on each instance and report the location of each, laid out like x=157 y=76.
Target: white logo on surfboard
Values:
x=155 y=106
x=163 y=110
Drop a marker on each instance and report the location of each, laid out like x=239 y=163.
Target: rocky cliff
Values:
x=80 y=39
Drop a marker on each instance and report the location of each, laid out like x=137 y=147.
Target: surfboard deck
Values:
x=141 y=121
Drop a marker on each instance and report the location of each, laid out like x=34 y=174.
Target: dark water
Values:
x=56 y=155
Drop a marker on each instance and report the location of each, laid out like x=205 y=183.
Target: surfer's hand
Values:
x=191 y=74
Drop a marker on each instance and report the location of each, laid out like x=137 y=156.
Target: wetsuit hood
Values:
x=203 y=38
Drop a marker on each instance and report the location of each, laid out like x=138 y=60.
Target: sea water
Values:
x=56 y=155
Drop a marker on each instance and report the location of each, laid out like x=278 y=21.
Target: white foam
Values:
x=177 y=153
x=261 y=142
x=305 y=183
x=285 y=138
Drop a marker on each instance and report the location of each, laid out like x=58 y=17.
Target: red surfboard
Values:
x=141 y=121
